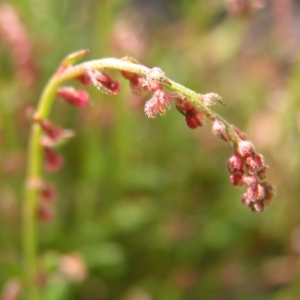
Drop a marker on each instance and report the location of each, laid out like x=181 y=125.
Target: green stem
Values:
x=35 y=154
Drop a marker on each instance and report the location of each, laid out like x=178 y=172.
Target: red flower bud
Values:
x=104 y=82
x=79 y=98
x=48 y=193
x=236 y=178
x=45 y=213
x=53 y=160
x=194 y=118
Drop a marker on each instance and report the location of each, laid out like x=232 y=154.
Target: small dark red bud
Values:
x=52 y=131
x=53 y=160
x=45 y=213
x=48 y=193
x=104 y=82
x=79 y=98
x=85 y=79
x=245 y=149
x=236 y=178
x=194 y=118
x=129 y=75
x=239 y=133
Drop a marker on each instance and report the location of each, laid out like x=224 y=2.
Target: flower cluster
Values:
x=246 y=166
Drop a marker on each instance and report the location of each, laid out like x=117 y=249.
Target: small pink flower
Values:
x=158 y=104
x=53 y=160
x=79 y=98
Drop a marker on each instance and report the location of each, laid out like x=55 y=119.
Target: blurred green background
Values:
x=145 y=208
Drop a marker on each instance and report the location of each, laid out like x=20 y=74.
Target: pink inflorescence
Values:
x=248 y=168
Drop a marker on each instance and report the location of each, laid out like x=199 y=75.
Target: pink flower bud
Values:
x=45 y=213
x=219 y=130
x=236 y=178
x=85 y=79
x=235 y=163
x=52 y=131
x=79 y=98
x=245 y=149
x=47 y=193
x=269 y=190
x=138 y=86
x=255 y=164
x=104 y=82
x=239 y=133
x=53 y=160
x=250 y=181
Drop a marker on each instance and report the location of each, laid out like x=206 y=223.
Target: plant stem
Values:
x=35 y=155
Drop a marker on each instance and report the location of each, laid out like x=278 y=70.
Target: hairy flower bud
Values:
x=194 y=118
x=236 y=178
x=255 y=164
x=245 y=149
x=219 y=130
x=235 y=163
x=69 y=94
x=211 y=99
x=104 y=83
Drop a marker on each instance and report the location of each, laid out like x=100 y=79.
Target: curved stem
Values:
x=35 y=155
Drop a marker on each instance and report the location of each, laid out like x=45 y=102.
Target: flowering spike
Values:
x=78 y=98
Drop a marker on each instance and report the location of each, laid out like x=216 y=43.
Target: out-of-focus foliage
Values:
x=145 y=209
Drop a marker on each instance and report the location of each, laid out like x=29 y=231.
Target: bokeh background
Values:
x=145 y=209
